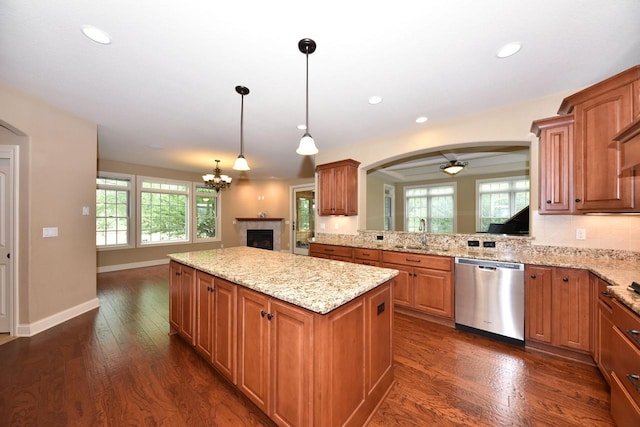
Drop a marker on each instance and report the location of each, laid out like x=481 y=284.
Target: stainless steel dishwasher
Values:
x=489 y=298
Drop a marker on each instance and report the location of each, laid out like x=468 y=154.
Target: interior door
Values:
x=303 y=226
x=5 y=242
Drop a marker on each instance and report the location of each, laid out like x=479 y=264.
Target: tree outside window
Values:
x=499 y=199
x=435 y=204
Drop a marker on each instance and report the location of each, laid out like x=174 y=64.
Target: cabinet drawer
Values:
x=366 y=254
x=623 y=410
x=416 y=260
x=333 y=250
x=626 y=363
x=603 y=293
x=628 y=322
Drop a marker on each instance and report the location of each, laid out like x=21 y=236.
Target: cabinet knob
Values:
x=270 y=316
x=263 y=313
x=533 y=276
x=548 y=202
x=565 y=279
x=578 y=200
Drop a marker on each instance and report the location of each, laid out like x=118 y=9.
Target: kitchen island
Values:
x=308 y=340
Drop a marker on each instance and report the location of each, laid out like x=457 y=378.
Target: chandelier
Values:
x=217 y=181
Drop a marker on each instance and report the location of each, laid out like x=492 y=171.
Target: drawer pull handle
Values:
x=365 y=254
x=412 y=260
x=328 y=250
x=634 y=334
x=634 y=379
x=605 y=294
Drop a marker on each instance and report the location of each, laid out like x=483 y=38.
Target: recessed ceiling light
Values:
x=302 y=127
x=375 y=100
x=421 y=119
x=509 y=49
x=96 y=34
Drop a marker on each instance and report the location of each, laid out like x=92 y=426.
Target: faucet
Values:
x=423 y=228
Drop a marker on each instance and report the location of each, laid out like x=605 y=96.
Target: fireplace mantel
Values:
x=258 y=219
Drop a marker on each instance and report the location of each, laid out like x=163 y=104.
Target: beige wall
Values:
x=500 y=126
x=57 y=169
x=244 y=199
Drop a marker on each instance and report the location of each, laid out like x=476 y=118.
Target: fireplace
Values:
x=272 y=225
x=262 y=239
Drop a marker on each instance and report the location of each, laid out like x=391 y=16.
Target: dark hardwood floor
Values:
x=117 y=366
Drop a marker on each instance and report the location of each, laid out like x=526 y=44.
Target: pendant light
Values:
x=241 y=163
x=307 y=146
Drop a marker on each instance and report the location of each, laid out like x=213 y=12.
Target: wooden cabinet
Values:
x=338 y=188
x=335 y=252
x=603 y=327
x=366 y=256
x=425 y=282
x=182 y=300
x=275 y=354
x=216 y=329
x=625 y=359
x=556 y=164
x=601 y=112
x=559 y=306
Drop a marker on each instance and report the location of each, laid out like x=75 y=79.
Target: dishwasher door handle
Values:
x=486 y=267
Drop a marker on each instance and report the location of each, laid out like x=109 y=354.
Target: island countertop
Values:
x=318 y=285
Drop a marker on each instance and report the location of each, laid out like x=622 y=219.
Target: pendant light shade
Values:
x=307 y=146
x=241 y=163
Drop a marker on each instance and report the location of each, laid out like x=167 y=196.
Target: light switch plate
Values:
x=50 y=232
x=581 y=234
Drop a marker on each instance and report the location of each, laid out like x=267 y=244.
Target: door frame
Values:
x=292 y=205
x=11 y=152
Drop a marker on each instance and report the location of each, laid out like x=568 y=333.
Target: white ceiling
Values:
x=162 y=93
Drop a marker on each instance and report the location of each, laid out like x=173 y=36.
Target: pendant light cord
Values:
x=307 y=118
x=242 y=126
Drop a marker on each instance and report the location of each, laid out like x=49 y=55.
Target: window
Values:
x=499 y=199
x=434 y=203
x=113 y=210
x=206 y=211
x=164 y=208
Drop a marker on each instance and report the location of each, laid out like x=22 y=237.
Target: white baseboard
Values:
x=30 y=329
x=118 y=267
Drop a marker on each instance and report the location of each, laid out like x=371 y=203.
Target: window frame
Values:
x=511 y=191
x=194 y=215
x=454 y=197
x=131 y=232
x=187 y=184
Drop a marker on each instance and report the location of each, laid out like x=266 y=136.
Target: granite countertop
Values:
x=318 y=285
x=617 y=273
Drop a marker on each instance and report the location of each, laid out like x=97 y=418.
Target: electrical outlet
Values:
x=379 y=237
x=473 y=243
x=489 y=244
x=581 y=234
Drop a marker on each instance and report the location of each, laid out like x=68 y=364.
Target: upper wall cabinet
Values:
x=600 y=183
x=338 y=188
x=556 y=164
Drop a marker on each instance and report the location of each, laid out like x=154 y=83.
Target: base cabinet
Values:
x=425 y=282
x=603 y=327
x=625 y=361
x=334 y=252
x=275 y=351
x=182 y=301
x=216 y=323
x=559 y=307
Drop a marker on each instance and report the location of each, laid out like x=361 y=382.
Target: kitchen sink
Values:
x=409 y=247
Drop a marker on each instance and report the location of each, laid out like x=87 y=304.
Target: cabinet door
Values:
x=340 y=195
x=433 y=292
x=291 y=375
x=188 y=304
x=600 y=183
x=224 y=328
x=253 y=347
x=402 y=294
x=204 y=307
x=379 y=335
x=538 y=287
x=556 y=167
x=572 y=309
x=175 y=285
x=326 y=189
